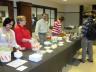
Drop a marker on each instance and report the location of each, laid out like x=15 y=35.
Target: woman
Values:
x=57 y=28
x=7 y=36
x=22 y=34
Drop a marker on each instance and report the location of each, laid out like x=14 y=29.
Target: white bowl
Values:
x=60 y=44
x=47 y=47
x=35 y=57
x=54 y=46
x=60 y=38
x=47 y=43
x=18 y=54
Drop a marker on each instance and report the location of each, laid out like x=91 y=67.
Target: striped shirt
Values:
x=57 y=27
x=86 y=26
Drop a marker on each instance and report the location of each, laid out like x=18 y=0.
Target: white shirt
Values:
x=41 y=26
x=7 y=39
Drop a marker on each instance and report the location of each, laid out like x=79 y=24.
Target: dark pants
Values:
x=42 y=37
x=87 y=47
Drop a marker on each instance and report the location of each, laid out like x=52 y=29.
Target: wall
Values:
x=59 y=7
x=71 y=14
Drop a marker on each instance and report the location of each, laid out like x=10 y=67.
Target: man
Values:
x=42 y=28
x=87 y=39
x=34 y=20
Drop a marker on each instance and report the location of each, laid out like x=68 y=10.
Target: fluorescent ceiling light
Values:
x=64 y=0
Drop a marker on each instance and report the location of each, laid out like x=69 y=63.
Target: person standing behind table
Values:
x=34 y=20
x=7 y=36
x=57 y=28
x=22 y=34
x=42 y=28
x=87 y=41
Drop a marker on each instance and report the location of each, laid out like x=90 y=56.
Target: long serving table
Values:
x=53 y=62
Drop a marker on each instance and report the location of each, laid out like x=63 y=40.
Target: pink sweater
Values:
x=57 y=27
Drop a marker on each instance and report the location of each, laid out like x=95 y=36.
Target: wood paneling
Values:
x=24 y=9
x=81 y=14
x=93 y=7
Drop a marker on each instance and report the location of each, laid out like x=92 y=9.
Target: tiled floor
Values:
x=77 y=66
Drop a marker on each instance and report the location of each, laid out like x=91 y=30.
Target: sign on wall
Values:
x=3 y=13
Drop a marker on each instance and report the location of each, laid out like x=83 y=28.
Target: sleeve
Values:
x=0 y=35
x=60 y=28
x=18 y=35
x=37 y=28
x=14 y=44
x=0 y=32
x=26 y=33
x=58 y=24
x=47 y=26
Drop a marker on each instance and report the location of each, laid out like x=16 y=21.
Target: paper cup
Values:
x=5 y=56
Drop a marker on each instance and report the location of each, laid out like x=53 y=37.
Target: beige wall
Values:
x=71 y=15
x=59 y=7
x=71 y=8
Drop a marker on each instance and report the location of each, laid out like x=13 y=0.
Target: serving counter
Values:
x=51 y=62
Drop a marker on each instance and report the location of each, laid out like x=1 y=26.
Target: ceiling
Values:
x=74 y=1
x=80 y=2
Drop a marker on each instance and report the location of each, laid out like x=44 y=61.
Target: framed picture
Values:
x=2 y=13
